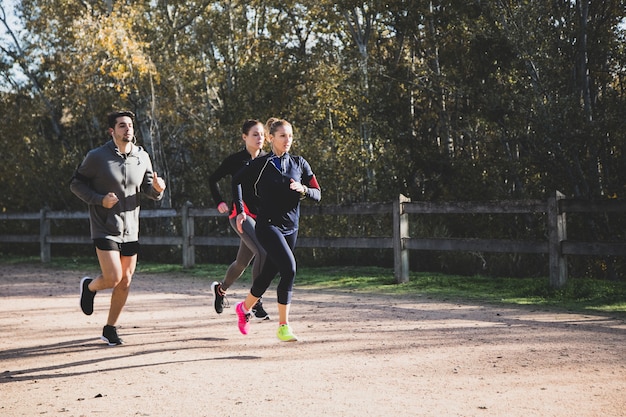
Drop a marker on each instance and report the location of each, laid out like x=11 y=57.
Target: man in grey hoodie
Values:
x=110 y=180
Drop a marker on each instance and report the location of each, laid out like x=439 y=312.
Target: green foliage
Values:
x=440 y=101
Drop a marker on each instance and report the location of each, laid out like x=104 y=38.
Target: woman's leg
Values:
x=287 y=270
x=284 y=292
x=244 y=255
x=249 y=248
x=252 y=242
x=279 y=259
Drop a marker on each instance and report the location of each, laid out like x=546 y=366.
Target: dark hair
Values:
x=112 y=117
x=249 y=124
x=275 y=123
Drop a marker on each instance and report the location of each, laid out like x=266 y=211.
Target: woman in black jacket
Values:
x=253 y=135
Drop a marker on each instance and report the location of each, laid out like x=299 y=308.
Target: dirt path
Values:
x=360 y=355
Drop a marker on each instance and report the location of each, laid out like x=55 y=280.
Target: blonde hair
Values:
x=269 y=122
x=273 y=123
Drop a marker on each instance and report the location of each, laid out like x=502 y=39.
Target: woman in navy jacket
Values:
x=281 y=181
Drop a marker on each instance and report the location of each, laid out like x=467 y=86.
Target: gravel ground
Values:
x=359 y=355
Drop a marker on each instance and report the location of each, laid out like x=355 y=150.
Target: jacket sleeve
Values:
x=146 y=186
x=314 y=192
x=217 y=175
x=80 y=183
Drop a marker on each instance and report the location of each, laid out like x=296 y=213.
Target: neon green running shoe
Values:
x=285 y=334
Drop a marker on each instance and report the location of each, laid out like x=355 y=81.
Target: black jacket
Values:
x=230 y=166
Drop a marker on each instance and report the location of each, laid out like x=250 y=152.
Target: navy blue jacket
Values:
x=278 y=204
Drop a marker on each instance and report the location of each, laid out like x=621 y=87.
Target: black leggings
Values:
x=280 y=259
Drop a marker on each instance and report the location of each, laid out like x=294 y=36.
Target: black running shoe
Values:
x=259 y=312
x=109 y=335
x=219 y=302
x=86 y=296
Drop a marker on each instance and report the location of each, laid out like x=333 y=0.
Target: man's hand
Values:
x=109 y=200
x=158 y=183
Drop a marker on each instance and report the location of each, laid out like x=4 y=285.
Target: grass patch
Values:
x=579 y=295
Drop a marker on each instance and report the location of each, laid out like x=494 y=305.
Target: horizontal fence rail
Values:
x=555 y=208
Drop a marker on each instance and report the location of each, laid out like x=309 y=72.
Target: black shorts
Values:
x=125 y=249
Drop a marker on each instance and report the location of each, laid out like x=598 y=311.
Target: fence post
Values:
x=400 y=232
x=44 y=232
x=557 y=230
x=189 y=252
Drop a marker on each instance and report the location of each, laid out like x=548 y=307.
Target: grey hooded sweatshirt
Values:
x=106 y=170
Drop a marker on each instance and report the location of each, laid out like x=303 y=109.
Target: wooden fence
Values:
x=555 y=208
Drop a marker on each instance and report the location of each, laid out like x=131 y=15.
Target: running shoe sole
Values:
x=121 y=342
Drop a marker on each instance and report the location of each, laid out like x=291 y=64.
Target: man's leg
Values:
x=111 y=270
x=117 y=271
x=121 y=290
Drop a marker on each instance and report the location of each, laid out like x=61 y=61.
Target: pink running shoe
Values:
x=244 y=318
